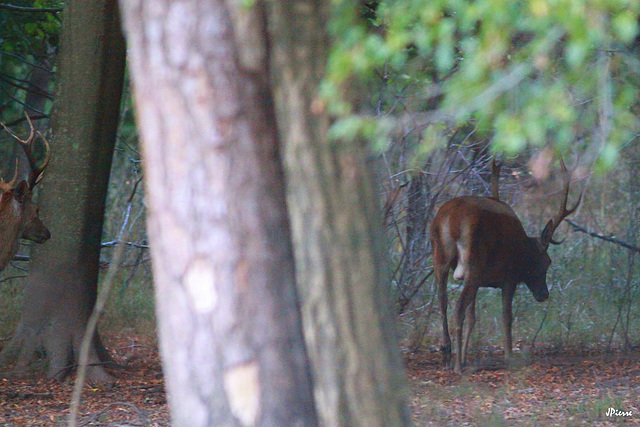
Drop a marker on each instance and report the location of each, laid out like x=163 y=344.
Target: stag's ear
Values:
x=547 y=233
x=22 y=191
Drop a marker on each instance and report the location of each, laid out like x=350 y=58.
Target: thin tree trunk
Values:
x=36 y=101
x=63 y=278
x=341 y=271
x=633 y=167
x=229 y=323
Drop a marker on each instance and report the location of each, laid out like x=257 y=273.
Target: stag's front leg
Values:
x=507 y=319
x=468 y=295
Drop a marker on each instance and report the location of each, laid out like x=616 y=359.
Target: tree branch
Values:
x=14 y=8
x=26 y=61
x=611 y=239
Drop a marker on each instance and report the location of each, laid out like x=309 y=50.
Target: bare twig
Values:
x=611 y=239
x=26 y=86
x=407 y=299
x=535 y=336
x=27 y=62
x=23 y=119
x=24 y=9
x=114 y=243
x=6 y=279
x=27 y=107
x=141 y=415
x=95 y=316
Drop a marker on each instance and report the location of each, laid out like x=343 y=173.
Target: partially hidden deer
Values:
x=19 y=215
x=484 y=242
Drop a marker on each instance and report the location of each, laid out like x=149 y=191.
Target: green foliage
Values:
x=27 y=32
x=558 y=72
x=27 y=38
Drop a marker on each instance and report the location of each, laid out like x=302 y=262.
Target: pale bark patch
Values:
x=199 y=283
x=243 y=392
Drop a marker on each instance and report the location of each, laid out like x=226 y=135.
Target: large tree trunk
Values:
x=63 y=276
x=229 y=324
x=336 y=227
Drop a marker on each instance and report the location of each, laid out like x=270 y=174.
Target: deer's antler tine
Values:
x=8 y=186
x=9 y=131
x=35 y=171
x=563 y=212
x=573 y=209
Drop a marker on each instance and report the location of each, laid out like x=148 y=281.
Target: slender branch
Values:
x=92 y=323
x=24 y=9
x=20 y=102
x=407 y=299
x=25 y=85
x=26 y=61
x=535 y=336
x=113 y=243
x=611 y=239
x=23 y=119
x=6 y=279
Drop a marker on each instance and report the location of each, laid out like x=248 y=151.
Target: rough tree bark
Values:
x=229 y=323
x=63 y=277
x=336 y=226
x=203 y=74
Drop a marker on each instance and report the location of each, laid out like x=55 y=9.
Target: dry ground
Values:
x=135 y=398
x=554 y=388
x=566 y=388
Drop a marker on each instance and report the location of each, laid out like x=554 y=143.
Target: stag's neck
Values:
x=9 y=231
x=524 y=258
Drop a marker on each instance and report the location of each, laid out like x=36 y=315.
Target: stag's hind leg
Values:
x=442 y=274
x=471 y=322
x=467 y=297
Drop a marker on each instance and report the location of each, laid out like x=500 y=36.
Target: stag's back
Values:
x=481 y=237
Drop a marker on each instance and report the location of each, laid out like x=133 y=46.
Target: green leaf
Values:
x=625 y=25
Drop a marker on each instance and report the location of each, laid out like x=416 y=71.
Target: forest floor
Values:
x=135 y=398
x=555 y=388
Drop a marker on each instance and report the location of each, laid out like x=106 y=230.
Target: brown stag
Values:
x=19 y=215
x=483 y=241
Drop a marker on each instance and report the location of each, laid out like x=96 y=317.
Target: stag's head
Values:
x=535 y=276
x=19 y=215
x=536 y=279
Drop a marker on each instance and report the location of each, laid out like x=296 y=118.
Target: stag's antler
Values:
x=35 y=171
x=8 y=186
x=563 y=212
